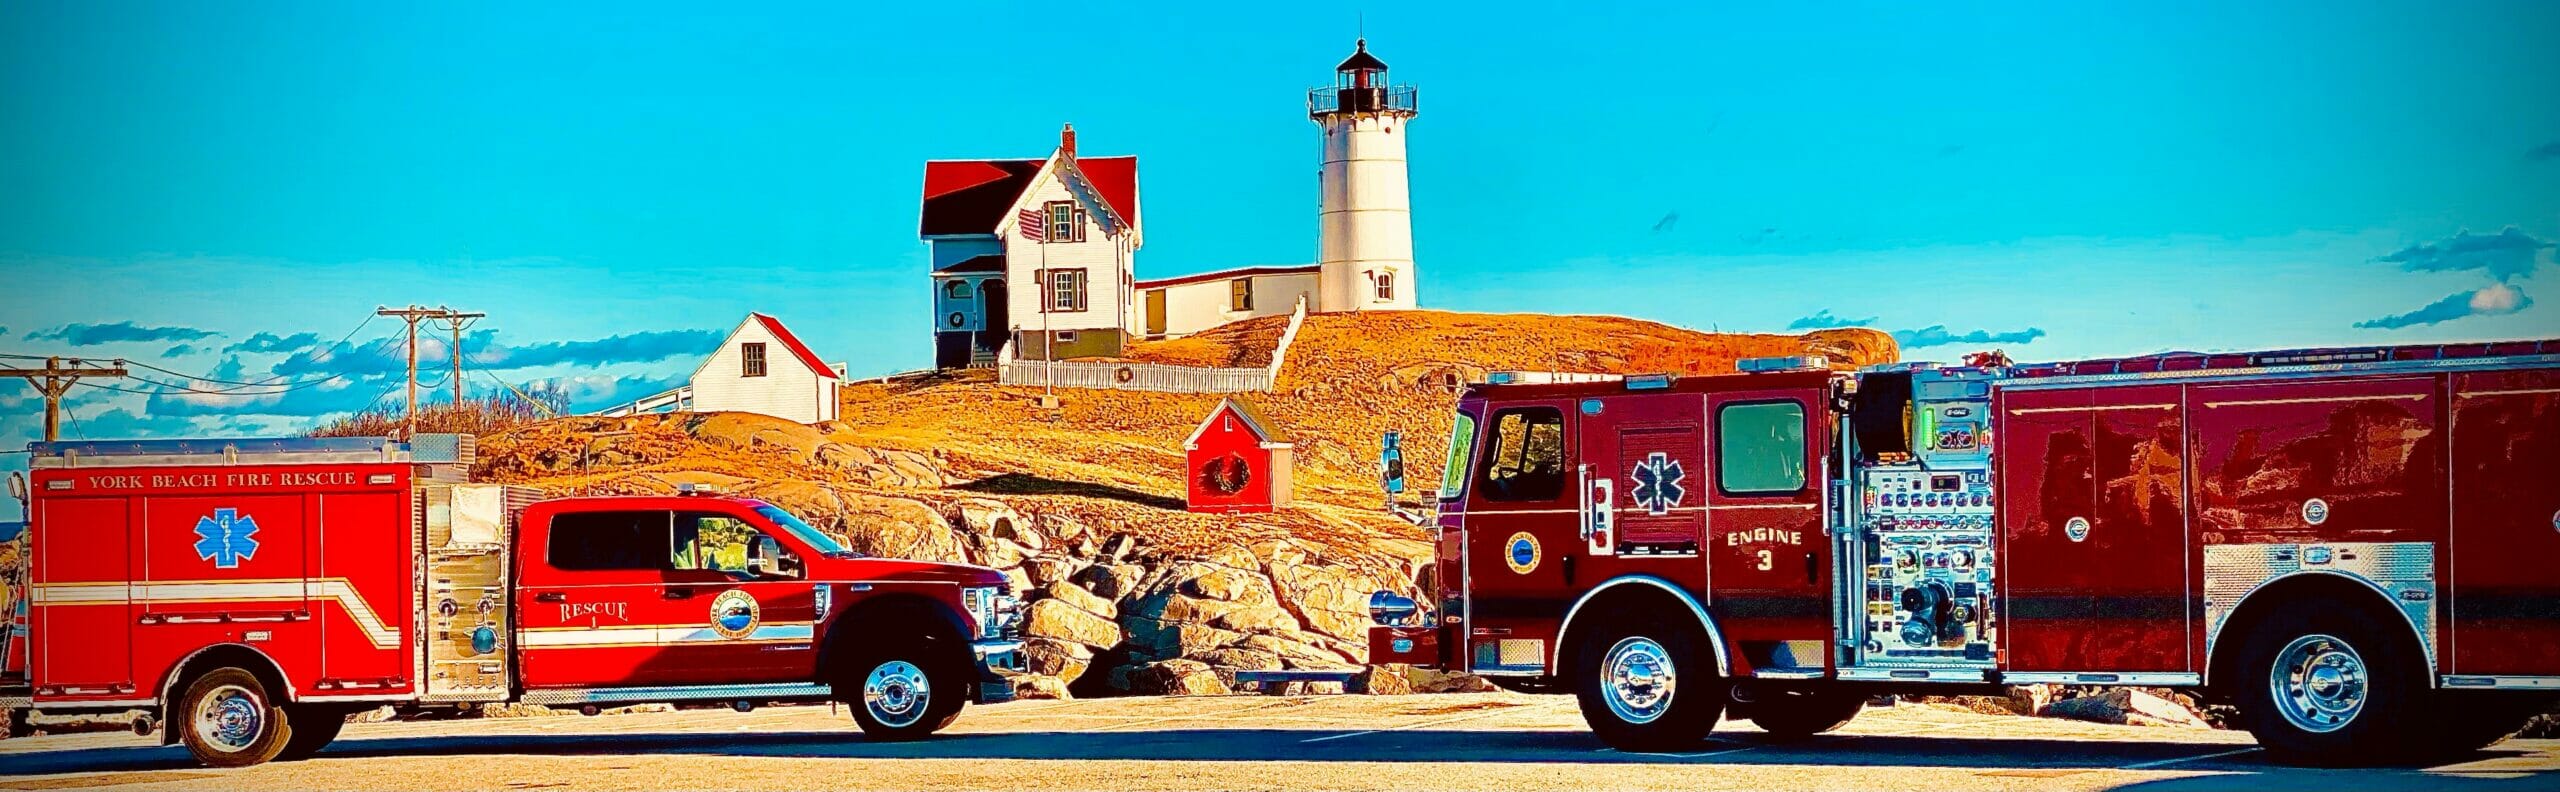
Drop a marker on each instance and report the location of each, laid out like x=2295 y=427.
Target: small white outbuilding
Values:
x=762 y=368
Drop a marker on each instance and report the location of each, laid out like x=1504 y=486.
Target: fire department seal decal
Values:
x=2315 y=511
x=1521 y=553
x=734 y=614
x=2076 y=528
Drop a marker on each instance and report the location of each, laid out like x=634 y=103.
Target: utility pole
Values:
x=412 y=315
x=54 y=380
x=457 y=321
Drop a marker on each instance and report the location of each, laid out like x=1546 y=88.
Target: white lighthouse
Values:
x=1364 y=247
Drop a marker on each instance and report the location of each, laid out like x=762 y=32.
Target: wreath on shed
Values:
x=1125 y=374
x=1226 y=475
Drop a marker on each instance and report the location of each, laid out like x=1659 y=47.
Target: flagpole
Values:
x=1048 y=340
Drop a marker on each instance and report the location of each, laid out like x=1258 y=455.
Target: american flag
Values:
x=1035 y=225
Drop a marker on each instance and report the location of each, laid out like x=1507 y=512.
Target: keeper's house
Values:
x=762 y=368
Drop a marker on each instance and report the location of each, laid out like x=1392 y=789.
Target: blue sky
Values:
x=616 y=184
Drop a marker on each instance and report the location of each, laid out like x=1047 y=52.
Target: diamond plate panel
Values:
x=2405 y=572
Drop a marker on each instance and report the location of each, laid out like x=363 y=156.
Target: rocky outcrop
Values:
x=2130 y=706
x=1056 y=619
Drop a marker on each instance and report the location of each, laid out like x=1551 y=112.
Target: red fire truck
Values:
x=251 y=594
x=2354 y=546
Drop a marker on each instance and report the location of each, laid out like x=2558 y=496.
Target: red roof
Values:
x=798 y=349
x=971 y=196
x=1239 y=272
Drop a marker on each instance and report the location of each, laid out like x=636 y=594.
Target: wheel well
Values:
x=211 y=658
x=2298 y=590
x=1618 y=598
x=894 y=617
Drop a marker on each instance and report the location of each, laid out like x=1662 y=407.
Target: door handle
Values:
x=679 y=592
x=551 y=596
x=1812 y=569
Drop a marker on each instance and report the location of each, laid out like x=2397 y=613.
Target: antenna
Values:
x=1360 y=23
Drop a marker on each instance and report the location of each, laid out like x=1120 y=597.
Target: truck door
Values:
x=2506 y=523
x=2093 y=529
x=82 y=614
x=753 y=628
x=594 y=605
x=1521 y=529
x=1766 y=550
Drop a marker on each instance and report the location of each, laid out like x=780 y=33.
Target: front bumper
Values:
x=1419 y=646
x=994 y=660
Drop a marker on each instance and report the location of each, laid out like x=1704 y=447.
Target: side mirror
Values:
x=765 y=559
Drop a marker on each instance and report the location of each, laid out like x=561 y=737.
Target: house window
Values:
x=1760 y=448
x=750 y=360
x=1240 y=294
x=1066 y=290
x=1063 y=337
x=1384 y=283
x=1066 y=221
x=957 y=290
x=1524 y=456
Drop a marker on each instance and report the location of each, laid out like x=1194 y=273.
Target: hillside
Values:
x=959 y=468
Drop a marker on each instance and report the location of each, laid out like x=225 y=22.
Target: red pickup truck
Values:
x=252 y=593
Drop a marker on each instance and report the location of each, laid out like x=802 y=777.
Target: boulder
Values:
x=984 y=518
x=1384 y=680
x=1177 y=678
x=1425 y=680
x=1045 y=570
x=1075 y=595
x=1117 y=548
x=1051 y=618
x=1330 y=600
x=1111 y=581
x=1237 y=658
x=1017 y=581
x=1230 y=584
x=2127 y=706
x=2032 y=699
x=1297 y=650
x=898 y=528
x=1065 y=660
x=1038 y=686
x=1063 y=531
x=1164 y=640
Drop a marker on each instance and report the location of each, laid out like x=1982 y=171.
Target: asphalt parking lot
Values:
x=1493 y=742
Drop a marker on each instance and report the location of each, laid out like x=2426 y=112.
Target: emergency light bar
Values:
x=1649 y=382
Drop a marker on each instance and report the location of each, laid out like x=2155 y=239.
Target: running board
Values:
x=651 y=695
x=1969 y=676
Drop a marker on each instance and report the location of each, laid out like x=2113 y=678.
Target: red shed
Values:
x=1234 y=464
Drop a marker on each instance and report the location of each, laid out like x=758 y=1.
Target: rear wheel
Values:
x=227 y=719
x=313 y=728
x=901 y=695
x=2328 y=687
x=1797 y=714
x=1644 y=686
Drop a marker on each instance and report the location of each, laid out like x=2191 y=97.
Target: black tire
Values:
x=1796 y=714
x=2356 y=690
x=1672 y=697
x=227 y=718
x=904 y=695
x=313 y=728
x=1535 y=686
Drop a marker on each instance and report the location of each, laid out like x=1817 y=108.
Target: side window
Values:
x=714 y=542
x=956 y=289
x=1240 y=294
x=1523 y=458
x=600 y=541
x=1462 y=442
x=751 y=359
x=1760 y=448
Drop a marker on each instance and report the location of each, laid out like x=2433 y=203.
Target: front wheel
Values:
x=899 y=696
x=2330 y=688
x=1645 y=687
x=1795 y=715
x=227 y=719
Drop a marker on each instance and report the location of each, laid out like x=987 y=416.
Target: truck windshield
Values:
x=825 y=545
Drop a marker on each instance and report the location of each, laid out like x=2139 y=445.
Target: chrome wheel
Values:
x=1636 y=680
x=896 y=694
x=230 y=719
x=2319 y=683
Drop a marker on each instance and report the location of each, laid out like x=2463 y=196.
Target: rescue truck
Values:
x=2354 y=546
x=251 y=594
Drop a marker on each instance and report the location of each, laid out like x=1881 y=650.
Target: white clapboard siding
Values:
x=1109 y=300
x=789 y=390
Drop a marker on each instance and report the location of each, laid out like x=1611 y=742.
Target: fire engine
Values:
x=252 y=594
x=2353 y=546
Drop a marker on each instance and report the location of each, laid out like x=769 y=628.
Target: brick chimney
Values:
x=1067 y=141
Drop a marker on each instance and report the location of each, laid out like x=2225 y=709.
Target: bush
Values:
x=482 y=417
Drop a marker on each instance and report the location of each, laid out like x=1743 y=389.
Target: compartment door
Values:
x=2505 y=597
x=82 y=614
x=2093 y=492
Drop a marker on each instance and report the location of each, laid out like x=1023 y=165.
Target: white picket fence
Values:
x=1159 y=377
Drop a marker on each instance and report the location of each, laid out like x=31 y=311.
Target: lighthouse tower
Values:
x=1365 y=223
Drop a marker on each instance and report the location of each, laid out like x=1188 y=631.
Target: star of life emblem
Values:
x=1657 y=481
x=226 y=538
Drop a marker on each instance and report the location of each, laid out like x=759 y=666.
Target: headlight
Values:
x=995 y=612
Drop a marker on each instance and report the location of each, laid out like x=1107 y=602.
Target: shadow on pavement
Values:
x=2047 y=757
